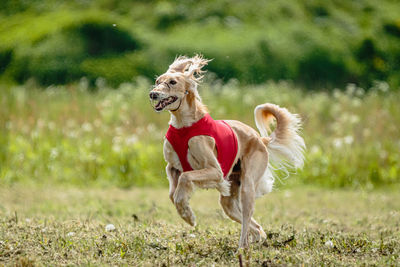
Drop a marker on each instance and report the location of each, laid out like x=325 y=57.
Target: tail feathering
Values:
x=286 y=147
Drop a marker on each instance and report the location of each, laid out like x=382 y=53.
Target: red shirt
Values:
x=225 y=141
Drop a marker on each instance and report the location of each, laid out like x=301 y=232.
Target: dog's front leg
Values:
x=173 y=176
x=185 y=188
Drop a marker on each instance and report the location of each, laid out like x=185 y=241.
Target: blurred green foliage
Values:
x=314 y=43
x=71 y=135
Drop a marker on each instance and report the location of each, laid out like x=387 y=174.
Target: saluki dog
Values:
x=227 y=155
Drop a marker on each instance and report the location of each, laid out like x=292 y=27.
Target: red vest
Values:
x=225 y=141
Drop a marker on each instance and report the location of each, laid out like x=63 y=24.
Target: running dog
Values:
x=227 y=155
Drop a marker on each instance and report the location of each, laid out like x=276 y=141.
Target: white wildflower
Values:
x=117 y=140
x=360 y=91
x=72 y=134
x=354 y=119
x=131 y=139
x=34 y=134
x=381 y=86
x=350 y=89
x=356 y=102
x=54 y=153
x=192 y=235
x=71 y=234
x=27 y=220
x=315 y=149
x=83 y=84
x=329 y=244
x=337 y=142
x=87 y=127
x=348 y=140
x=116 y=148
x=337 y=93
x=101 y=83
x=97 y=141
x=110 y=227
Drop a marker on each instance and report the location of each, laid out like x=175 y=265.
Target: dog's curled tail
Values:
x=284 y=144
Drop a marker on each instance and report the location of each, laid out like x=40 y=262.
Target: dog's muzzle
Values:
x=159 y=102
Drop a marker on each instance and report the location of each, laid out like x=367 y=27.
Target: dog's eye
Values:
x=172 y=82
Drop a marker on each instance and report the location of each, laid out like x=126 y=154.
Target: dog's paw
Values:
x=224 y=187
x=186 y=212
x=257 y=236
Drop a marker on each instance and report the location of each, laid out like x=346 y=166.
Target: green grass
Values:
x=69 y=135
x=66 y=226
x=73 y=160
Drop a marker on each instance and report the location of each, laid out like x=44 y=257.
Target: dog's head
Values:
x=178 y=82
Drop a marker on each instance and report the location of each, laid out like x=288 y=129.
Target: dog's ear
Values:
x=180 y=64
x=194 y=70
x=191 y=67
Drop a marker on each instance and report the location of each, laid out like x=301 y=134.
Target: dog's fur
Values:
x=252 y=176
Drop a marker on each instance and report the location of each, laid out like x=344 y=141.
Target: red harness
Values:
x=225 y=141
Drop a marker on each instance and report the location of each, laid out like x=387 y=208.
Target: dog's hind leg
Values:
x=254 y=163
x=247 y=200
x=232 y=208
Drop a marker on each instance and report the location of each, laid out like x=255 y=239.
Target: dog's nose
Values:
x=153 y=95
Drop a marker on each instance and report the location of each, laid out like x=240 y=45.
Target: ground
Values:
x=66 y=226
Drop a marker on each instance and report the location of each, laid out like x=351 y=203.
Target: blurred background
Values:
x=75 y=77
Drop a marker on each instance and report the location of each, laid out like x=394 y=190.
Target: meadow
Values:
x=100 y=137
x=75 y=158
x=66 y=226
x=81 y=146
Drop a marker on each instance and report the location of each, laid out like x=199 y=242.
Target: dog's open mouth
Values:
x=165 y=102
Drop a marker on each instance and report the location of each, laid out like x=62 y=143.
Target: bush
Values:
x=58 y=58
x=315 y=43
x=5 y=59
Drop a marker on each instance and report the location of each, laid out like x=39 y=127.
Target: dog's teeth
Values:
x=159 y=104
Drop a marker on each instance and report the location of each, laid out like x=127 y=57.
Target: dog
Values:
x=236 y=160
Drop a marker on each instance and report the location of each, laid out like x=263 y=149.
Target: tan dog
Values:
x=176 y=91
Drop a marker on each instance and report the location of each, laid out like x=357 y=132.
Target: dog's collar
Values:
x=187 y=92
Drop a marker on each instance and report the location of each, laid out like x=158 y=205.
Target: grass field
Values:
x=73 y=160
x=66 y=226
x=71 y=135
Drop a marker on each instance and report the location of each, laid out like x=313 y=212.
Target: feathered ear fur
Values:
x=190 y=67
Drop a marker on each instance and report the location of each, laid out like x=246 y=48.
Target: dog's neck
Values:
x=190 y=111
